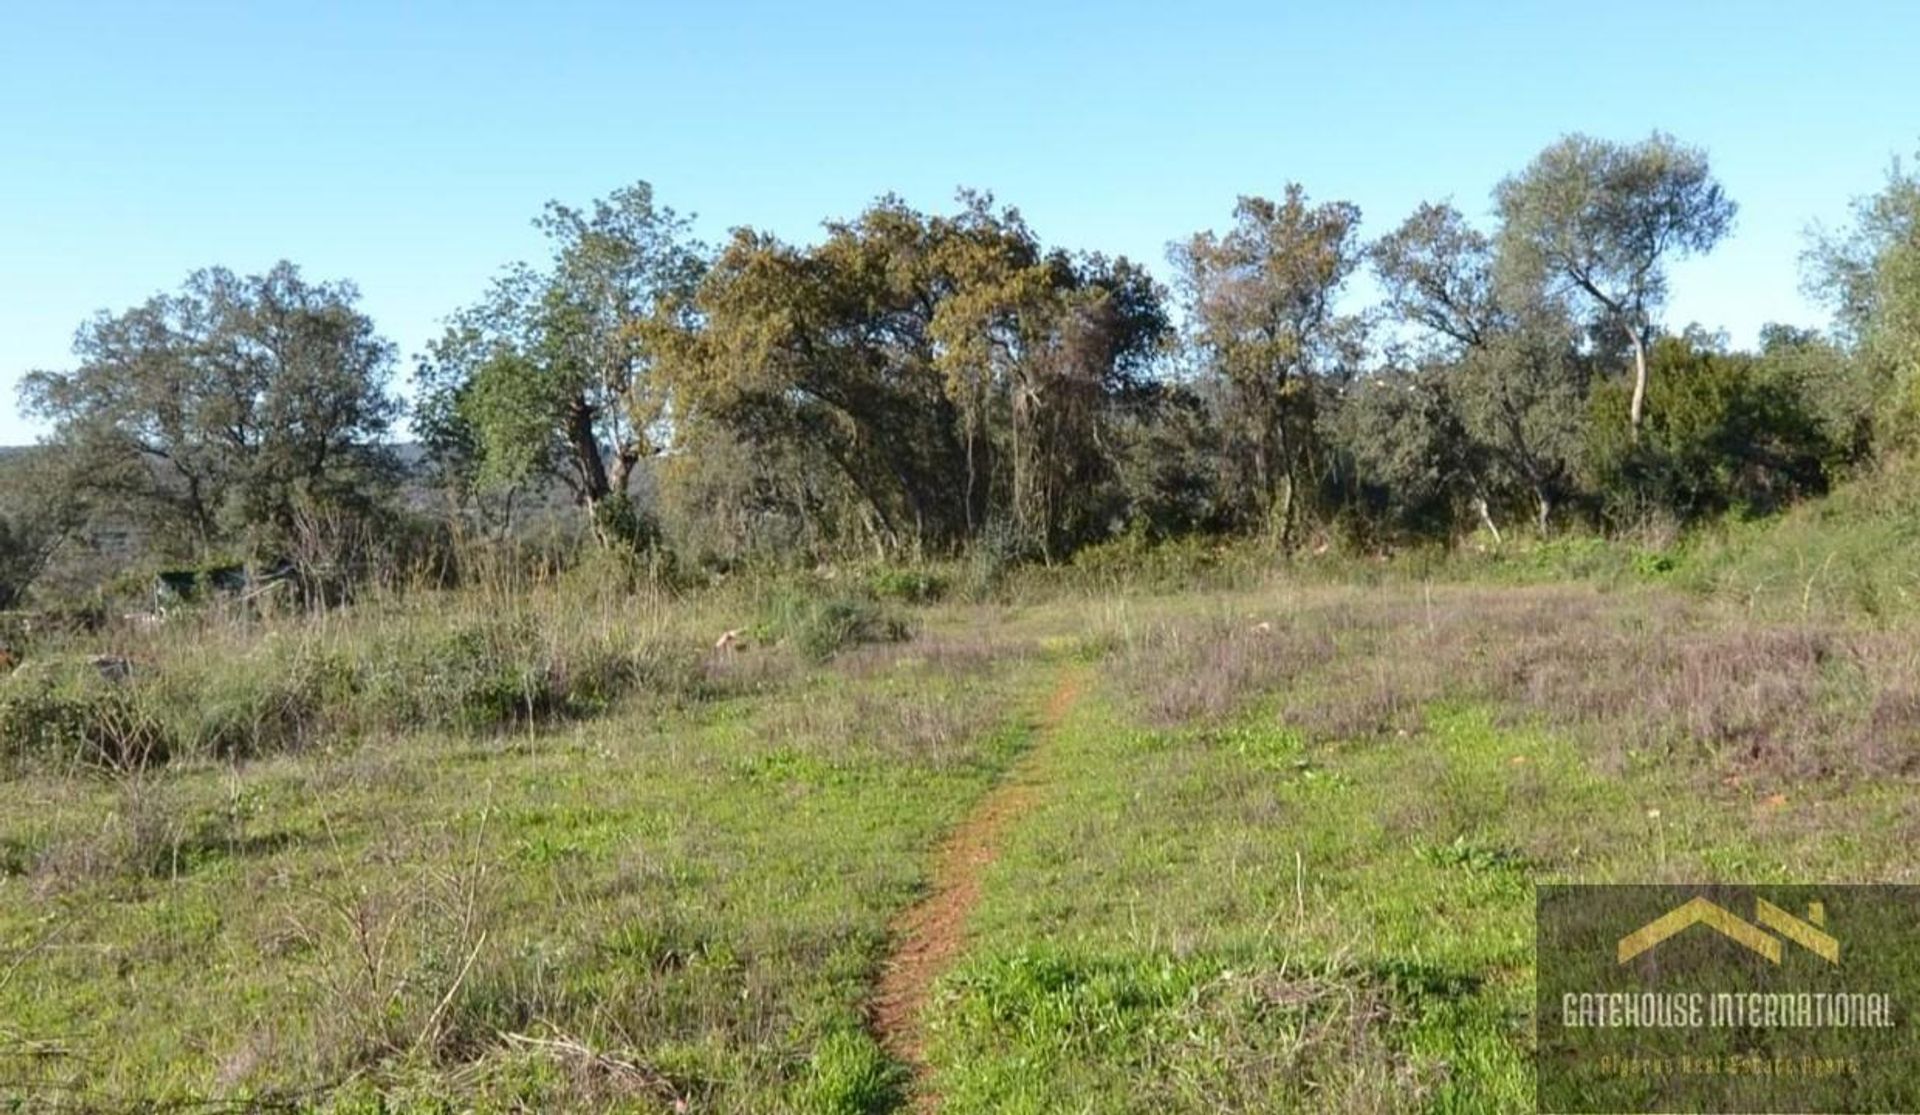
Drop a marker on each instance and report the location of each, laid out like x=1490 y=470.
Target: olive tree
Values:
x=1515 y=379
x=1870 y=274
x=1599 y=221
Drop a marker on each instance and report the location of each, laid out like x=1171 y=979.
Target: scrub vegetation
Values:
x=932 y=668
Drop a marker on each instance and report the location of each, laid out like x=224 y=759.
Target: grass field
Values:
x=1268 y=846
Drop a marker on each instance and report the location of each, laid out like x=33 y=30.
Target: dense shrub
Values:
x=820 y=628
x=908 y=585
x=1720 y=435
x=64 y=712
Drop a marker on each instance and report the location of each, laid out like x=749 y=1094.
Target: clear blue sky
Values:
x=406 y=146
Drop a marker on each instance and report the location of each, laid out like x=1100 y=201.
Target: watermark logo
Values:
x=1808 y=934
x=1717 y=998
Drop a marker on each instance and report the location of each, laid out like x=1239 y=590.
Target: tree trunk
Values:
x=1545 y=505
x=1638 y=409
x=1283 y=512
x=623 y=462
x=1486 y=519
x=585 y=448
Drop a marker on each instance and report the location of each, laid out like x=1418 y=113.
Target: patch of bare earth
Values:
x=930 y=935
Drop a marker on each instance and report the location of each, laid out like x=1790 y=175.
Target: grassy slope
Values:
x=1855 y=552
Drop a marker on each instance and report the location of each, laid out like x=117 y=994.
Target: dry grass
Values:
x=1638 y=675
x=223 y=686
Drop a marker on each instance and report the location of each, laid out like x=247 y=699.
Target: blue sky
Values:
x=406 y=146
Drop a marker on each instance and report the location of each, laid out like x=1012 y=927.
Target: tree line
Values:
x=914 y=384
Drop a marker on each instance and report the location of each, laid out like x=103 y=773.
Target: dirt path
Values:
x=930 y=935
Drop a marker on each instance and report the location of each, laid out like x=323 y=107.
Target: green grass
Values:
x=1237 y=920
x=1279 y=856
x=708 y=888
x=1856 y=552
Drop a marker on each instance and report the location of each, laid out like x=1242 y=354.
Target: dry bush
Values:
x=745 y=669
x=1207 y=672
x=394 y=967
x=218 y=687
x=929 y=727
x=1323 y=1034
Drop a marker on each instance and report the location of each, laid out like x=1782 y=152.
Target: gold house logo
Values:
x=1808 y=934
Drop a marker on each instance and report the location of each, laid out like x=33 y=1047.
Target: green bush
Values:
x=1720 y=435
x=68 y=714
x=1134 y=561
x=820 y=628
x=304 y=687
x=492 y=673
x=263 y=703
x=909 y=586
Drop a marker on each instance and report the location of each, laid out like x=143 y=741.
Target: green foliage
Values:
x=552 y=374
x=21 y=559
x=1417 y=469
x=821 y=626
x=1720 y=435
x=1171 y=463
x=911 y=382
x=1845 y=395
x=65 y=714
x=1137 y=562
x=40 y=509
x=1854 y=553
x=1507 y=415
x=919 y=387
x=468 y=675
x=267 y=704
x=1595 y=222
x=511 y=413
x=223 y=412
x=1597 y=219
x=1260 y=299
x=908 y=585
x=1871 y=276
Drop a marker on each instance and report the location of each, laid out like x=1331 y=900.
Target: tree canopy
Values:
x=551 y=374
x=1263 y=318
x=1599 y=220
x=914 y=384
x=216 y=415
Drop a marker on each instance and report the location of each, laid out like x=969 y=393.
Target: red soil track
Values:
x=930 y=935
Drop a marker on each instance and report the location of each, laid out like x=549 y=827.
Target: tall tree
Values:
x=232 y=406
x=928 y=379
x=822 y=358
x=1600 y=220
x=1049 y=340
x=40 y=508
x=1262 y=314
x=551 y=373
x=1516 y=380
